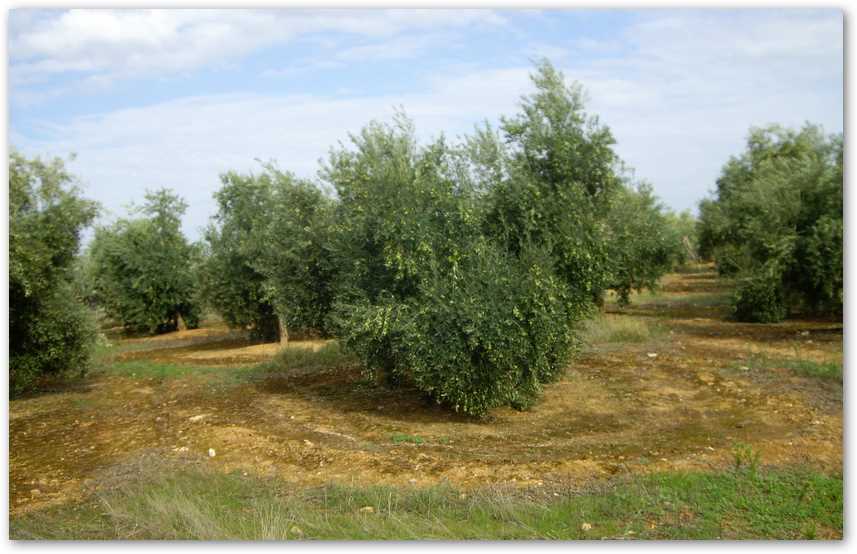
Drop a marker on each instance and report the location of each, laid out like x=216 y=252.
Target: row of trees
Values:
x=776 y=223
x=462 y=269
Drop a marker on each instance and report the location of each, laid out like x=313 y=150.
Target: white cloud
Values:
x=134 y=43
x=680 y=101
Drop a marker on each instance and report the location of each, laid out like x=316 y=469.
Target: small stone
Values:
x=35 y=492
x=211 y=453
x=367 y=510
x=196 y=418
x=586 y=527
x=652 y=355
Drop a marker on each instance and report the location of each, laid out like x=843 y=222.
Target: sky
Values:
x=173 y=98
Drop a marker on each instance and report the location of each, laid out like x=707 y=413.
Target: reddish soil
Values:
x=617 y=410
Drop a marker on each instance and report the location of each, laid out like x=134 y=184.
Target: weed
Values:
x=400 y=438
x=612 y=329
x=331 y=356
x=745 y=458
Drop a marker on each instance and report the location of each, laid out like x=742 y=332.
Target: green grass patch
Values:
x=809 y=368
x=400 y=438
x=618 y=329
x=197 y=504
x=146 y=369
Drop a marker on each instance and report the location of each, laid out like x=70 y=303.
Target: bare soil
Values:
x=618 y=409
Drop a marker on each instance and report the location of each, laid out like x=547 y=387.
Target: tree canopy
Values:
x=50 y=330
x=143 y=267
x=775 y=221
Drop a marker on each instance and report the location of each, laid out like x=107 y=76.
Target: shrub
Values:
x=759 y=299
x=57 y=337
x=50 y=329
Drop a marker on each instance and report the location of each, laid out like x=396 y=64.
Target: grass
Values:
x=808 y=368
x=400 y=438
x=780 y=503
x=331 y=356
x=617 y=329
x=146 y=369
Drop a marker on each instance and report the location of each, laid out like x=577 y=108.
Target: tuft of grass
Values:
x=786 y=503
x=808 y=368
x=400 y=438
x=618 y=329
x=330 y=356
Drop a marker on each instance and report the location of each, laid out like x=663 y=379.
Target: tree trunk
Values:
x=283 y=331
x=180 y=324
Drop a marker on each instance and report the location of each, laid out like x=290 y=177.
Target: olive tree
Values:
x=230 y=280
x=642 y=244
x=560 y=175
x=776 y=223
x=426 y=297
x=50 y=330
x=144 y=268
x=269 y=264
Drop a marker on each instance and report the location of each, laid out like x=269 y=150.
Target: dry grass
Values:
x=606 y=329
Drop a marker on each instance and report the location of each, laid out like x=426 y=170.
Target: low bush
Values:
x=759 y=299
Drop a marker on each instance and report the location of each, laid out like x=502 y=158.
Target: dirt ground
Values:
x=680 y=401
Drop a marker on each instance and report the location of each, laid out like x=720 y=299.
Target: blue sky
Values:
x=152 y=98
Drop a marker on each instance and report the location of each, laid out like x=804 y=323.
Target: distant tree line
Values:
x=463 y=269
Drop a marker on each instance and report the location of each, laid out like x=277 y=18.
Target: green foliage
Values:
x=229 y=279
x=561 y=177
x=143 y=268
x=426 y=298
x=50 y=330
x=683 y=226
x=777 y=216
x=269 y=258
x=642 y=244
x=297 y=259
x=466 y=270
x=759 y=299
